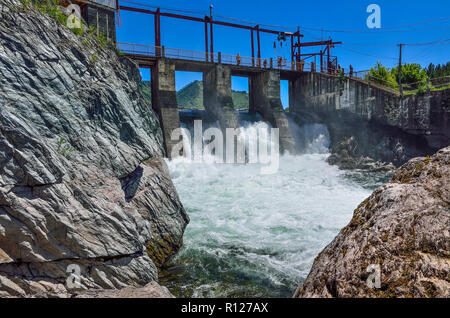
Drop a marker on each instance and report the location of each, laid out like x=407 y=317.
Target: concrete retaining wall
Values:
x=426 y=115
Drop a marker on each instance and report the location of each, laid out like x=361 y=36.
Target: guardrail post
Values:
x=271 y=62
x=219 y=56
x=163 y=49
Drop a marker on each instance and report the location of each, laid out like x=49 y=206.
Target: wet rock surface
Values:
x=401 y=232
x=346 y=156
x=81 y=179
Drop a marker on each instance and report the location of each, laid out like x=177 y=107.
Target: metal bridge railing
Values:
x=216 y=57
x=359 y=74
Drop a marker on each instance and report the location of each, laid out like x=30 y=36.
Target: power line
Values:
x=379 y=30
x=428 y=43
x=164 y=8
x=367 y=54
x=388 y=29
x=443 y=41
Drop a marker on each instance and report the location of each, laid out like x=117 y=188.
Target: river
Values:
x=255 y=235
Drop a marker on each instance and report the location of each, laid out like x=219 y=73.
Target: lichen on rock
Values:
x=403 y=229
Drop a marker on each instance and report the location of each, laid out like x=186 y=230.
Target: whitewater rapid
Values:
x=257 y=235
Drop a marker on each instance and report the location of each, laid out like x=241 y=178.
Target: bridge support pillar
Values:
x=265 y=99
x=164 y=100
x=217 y=96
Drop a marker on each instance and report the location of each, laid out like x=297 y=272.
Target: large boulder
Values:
x=397 y=243
x=83 y=188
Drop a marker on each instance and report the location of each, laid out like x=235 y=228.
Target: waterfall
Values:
x=257 y=235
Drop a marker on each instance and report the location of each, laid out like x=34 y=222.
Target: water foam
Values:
x=257 y=235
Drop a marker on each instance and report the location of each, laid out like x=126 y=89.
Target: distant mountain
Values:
x=191 y=96
x=147 y=91
x=240 y=99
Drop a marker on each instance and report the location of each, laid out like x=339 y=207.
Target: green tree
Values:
x=413 y=76
x=430 y=70
x=438 y=72
x=382 y=75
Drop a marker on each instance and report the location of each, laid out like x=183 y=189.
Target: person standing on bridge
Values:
x=238 y=59
x=351 y=70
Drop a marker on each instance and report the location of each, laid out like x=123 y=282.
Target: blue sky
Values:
x=361 y=49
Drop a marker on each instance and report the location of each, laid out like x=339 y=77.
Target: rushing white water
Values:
x=257 y=235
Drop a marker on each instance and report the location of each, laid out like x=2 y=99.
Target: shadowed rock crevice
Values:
x=130 y=183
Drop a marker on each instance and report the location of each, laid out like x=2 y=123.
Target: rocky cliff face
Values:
x=398 y=241
x=82 y=187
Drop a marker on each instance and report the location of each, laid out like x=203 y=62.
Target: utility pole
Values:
x=400 y=70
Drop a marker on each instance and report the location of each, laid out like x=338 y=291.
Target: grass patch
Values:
x=50 y=7
x=64 y=148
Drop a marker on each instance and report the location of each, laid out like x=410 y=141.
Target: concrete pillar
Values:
x=217 y=96
x=265 y=99
x=301 y=90
x=164 y=100
x=291 y=85
x=251 y=97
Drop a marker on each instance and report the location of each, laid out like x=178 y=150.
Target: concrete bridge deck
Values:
x=195 y=61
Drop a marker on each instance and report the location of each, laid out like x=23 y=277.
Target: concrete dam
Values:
x=421 y=122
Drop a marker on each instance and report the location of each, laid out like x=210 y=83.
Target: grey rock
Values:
x=151 y=290
x=402 y=229
x=346 y=156
x=81 y=179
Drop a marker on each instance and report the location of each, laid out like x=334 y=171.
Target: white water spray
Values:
x=257 y=235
